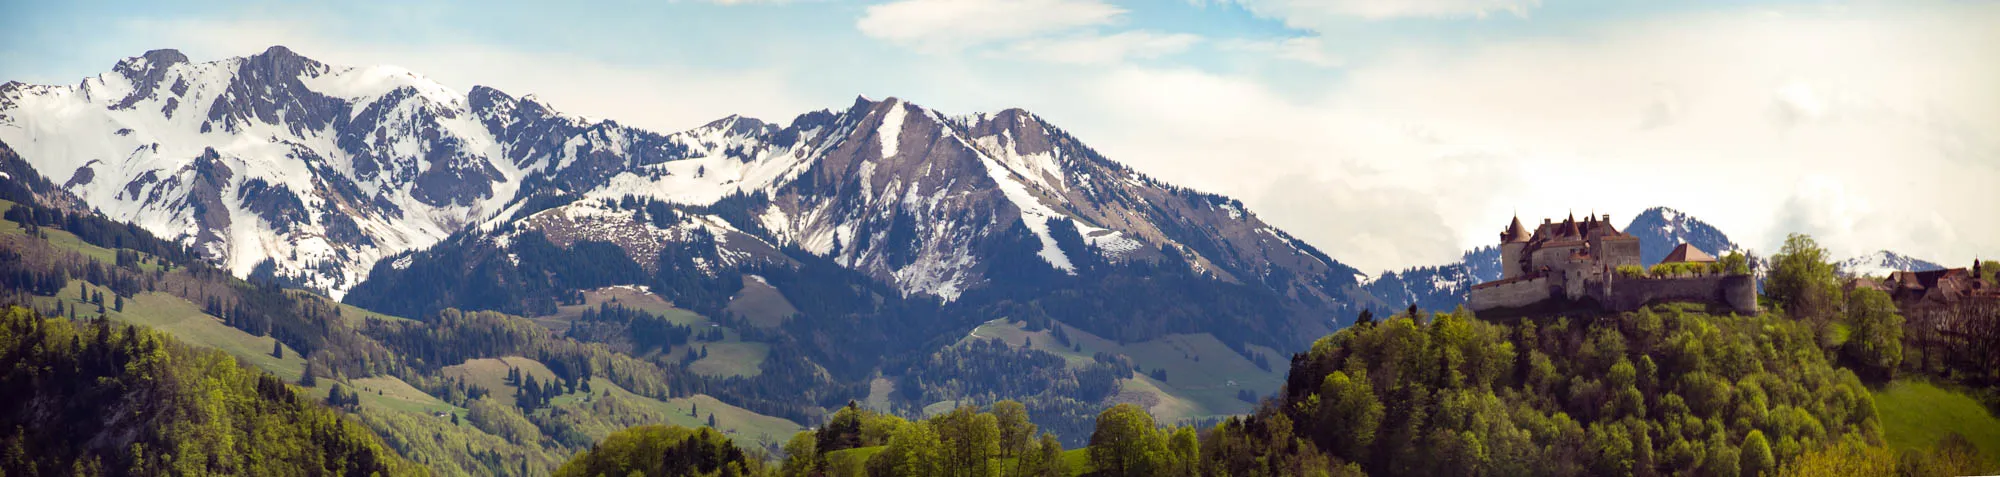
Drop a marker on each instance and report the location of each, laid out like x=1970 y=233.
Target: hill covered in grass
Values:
x=96 y=398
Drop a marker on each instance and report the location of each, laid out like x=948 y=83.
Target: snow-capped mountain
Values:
x=914 y=197
x=279 y=164
x=1659 y=229
x=1881 y=263
x=275 y=163
x=1438 y=287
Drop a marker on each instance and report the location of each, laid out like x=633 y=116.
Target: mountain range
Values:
x=309 y=174
x=284 y=168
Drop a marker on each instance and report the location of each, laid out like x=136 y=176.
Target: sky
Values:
x=1388 y=133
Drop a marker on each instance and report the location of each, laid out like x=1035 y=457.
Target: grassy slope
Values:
x=390 y=392
x=737 y=422
x=693 y=411
x=1916 y=414
x=491 y=373
x=355 y=314
x=1078 y=461
x=730 y=357
x=186 y=322
x=1203 y=375
x=879 y=390
x=761 y=304
x=851 y=462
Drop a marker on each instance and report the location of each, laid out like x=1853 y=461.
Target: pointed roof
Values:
x=1515 y=232
x=1687 y=253
x=1608 y=228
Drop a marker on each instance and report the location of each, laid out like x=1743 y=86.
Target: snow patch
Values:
x=892 y=129
x=1033 y=212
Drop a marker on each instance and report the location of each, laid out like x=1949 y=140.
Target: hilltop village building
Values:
x=1939 y=287
x=1574 y=263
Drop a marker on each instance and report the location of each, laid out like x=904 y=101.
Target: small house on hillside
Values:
x=1686 y=253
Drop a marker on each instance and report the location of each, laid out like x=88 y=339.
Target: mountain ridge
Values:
x=310 y=174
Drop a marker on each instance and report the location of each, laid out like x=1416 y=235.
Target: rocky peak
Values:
x=151 y=60
x=146 y=72
x=736 y=125
x=1881 y=263
x=1660 y=228
x=268 y=88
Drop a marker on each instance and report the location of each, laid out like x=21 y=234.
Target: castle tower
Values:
x=1513 y=241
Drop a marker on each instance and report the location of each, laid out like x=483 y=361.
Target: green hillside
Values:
x=1204 y=376
x=186 y=410
x=1918 y=415
x=434 y=391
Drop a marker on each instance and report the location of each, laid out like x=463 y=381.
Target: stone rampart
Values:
x=1738 y=292
x=1511 y=294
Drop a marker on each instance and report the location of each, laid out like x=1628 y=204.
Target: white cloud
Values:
x=1097 y=49
x=1314 y=14
x=1310 y=50
x=945 y=25
x=1890 y=111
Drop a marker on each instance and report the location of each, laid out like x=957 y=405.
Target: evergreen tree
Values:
x=337 y=396
x=277 y=349
x=306 y=378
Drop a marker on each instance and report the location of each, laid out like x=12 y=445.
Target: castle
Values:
x=1576 y=263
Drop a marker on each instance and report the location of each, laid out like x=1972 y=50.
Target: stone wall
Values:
x=1555 y=257
x=1511 y=295
x=1738 y=292
x=1618 y=252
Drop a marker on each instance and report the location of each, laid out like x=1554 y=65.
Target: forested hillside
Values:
x=458 y=393
x=1672 y=389
x=96 y=398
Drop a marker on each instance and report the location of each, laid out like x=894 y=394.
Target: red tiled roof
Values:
x=1688 y=253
